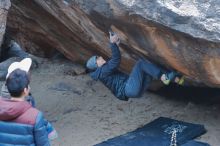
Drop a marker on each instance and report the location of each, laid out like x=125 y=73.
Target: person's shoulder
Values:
x=97 y=73
x=34 y=111
x=40 y=120
x=40 y=115
x=31 y=114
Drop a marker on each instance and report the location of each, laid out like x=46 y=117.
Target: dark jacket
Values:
x=110 y=76
x=21 y=124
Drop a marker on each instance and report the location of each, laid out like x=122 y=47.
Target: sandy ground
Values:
x=84 y=112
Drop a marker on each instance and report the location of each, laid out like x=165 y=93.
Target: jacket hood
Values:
x=10 y=110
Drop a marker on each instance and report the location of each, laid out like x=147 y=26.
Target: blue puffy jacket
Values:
x=22 y=125
x=110 y=76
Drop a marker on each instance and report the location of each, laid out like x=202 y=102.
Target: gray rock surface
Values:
x=198 y=18
x=4 y=7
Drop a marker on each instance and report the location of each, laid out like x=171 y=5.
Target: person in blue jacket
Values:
x=122 y=85
x=20 y=122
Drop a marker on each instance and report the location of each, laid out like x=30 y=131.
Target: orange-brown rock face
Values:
x=79 y=29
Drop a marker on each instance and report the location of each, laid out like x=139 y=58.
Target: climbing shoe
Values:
x=181 y=81
x=168 y=77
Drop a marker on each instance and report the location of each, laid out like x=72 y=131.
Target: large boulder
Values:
x=179 y=35
x=4 y=7
x=198 y=18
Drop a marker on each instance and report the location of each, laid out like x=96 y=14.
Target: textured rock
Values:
x=199 y=18
x=4 y=6
x=180 y=35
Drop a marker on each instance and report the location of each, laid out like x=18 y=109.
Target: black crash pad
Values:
x=158 y=133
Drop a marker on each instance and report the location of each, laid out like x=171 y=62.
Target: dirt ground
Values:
x=85 y=113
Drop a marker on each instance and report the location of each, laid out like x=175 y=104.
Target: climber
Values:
x=122 y=85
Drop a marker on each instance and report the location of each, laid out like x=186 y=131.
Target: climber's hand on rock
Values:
x=114 y=38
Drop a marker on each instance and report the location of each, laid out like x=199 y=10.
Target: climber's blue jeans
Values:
x=140 y=78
